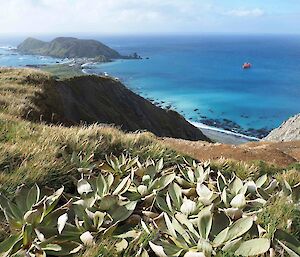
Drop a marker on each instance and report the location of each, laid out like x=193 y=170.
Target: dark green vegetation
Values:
x=55 y=155
x=63 y=71
x=67 y=47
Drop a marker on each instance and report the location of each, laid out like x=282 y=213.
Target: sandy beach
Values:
x=223 y=136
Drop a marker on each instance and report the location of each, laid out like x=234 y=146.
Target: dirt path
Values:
x=281 y=154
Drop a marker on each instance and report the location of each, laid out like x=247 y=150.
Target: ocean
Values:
x=202 y=77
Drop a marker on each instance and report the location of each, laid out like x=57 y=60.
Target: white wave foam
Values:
x=7 y=47
x=203 y=126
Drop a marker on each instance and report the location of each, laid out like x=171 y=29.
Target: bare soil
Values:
x=281 y=154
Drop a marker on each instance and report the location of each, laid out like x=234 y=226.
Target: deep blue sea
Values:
x=201 y=76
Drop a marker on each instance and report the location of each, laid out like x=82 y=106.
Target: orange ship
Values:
x=247 y=65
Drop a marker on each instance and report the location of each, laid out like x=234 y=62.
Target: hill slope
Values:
x=280 y=154
x=67 y=47
x=287 y=131
x=87 y=99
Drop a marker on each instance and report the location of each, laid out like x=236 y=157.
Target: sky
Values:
x=149 y=16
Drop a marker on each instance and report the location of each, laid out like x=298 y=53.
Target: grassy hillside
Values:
x=38 y=97
x=67 y=47
x=53 y=155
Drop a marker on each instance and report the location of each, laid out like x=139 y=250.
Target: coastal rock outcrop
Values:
x=287 y=131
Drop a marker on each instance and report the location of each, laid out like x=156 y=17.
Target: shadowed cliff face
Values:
x=93 y=99
x=67 y=47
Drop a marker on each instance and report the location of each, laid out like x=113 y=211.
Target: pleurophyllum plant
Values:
x=145 y=208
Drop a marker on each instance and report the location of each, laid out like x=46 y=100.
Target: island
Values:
x=70 y=47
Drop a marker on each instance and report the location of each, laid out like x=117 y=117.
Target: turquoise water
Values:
x=205 y=73
x=201 y=76
x=9 y=57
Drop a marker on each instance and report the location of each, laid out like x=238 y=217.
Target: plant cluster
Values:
x=147 y=209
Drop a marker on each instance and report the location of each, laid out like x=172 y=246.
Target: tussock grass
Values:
x=39 y=153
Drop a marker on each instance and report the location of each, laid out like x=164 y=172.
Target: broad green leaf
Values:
x=101 y=185
x=27 y=235
x=120 y=213
x=232 y=246
x=205 y=247
x=123 y=186
x=188 y=207
x=194 y=254
x=288 y=250
x=182 y=232
x=52 y=200
x=99 y=219
x=109 y=180
x=33 y=217
x=169 y=203
x=221 y=182
x=33 y=196
x=121 y=246
x=162 y=182
x=234 y=213
x=10 y=216
x=170 y=227
x=67 y=248
x=221 y=237
x=253 y=247
x=239 y=228
x=160 y=165
x=190 y=174
x=158 y=250
x=204 y=223
x=52 y=247
x=142 y=190
x=7 y=245
x=186 y=222
x=61 y=222
x=239 y=201
x=261 y=180
x=263 y=194
x=290 y=240
x=204 y=193
x=87 y=238
x=107 y=202
x=175 y=194
x=199 y=174
x=251 y=187
x=162 y=205
x=236 y=185
x=84 y=187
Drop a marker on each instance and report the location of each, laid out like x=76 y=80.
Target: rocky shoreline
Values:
x=82 y=65
x=221 y=123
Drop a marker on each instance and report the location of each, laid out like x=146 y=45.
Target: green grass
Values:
x=63 y=71
x=44 y=154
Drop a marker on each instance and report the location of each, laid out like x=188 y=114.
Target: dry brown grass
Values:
x=42 y=153
x=279 y=154
x=17 y=87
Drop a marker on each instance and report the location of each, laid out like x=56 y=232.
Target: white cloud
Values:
x=68 y=17
x=99 y=16
x=242 y=12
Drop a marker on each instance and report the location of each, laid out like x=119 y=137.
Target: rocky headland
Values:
x=287 y=131
x=69 y=47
